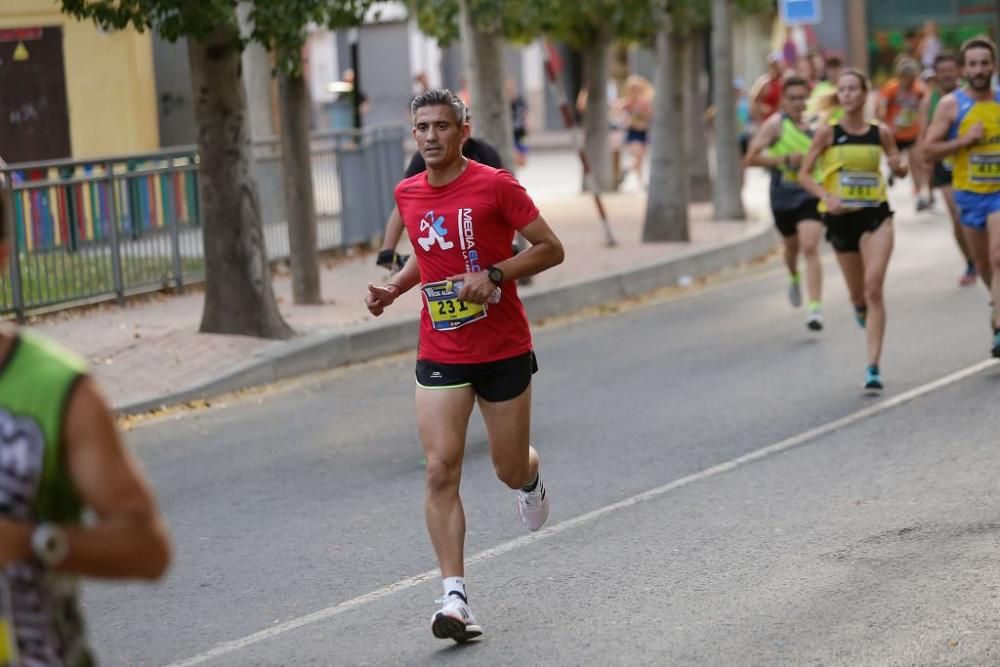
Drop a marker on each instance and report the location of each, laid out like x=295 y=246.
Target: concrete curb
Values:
x=322 y=351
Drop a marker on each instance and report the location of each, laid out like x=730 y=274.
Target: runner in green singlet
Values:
x=947 y=72
x=60 y=453
x=780 y=144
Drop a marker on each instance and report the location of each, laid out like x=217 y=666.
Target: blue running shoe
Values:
x=996 y=343
x=861 y=315
x=873 y=381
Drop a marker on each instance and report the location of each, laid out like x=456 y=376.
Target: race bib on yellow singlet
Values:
x=984 y=166
x=8 y=642
x=859 y=189
x=446 y=310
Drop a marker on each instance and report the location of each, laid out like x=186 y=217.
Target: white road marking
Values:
x=778 y=447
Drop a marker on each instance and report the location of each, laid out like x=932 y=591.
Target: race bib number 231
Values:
x=446 y=310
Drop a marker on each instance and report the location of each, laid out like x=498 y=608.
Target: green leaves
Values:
x=277 y=24
x=575 y=22
x=281 y=24
x=172 y=19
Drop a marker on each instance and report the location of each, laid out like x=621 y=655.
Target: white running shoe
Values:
x=454 y=620
x=533 y=506
x=814 y=321
x=795 y=294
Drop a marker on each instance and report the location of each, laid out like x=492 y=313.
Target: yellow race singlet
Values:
x=849 y=168
x=977 y=167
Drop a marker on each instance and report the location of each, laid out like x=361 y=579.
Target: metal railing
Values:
x=89 y=230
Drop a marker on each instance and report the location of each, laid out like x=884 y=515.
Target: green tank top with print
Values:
x=40 y=619
x=35 y=383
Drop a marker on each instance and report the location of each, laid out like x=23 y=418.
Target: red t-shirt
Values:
x=468 y=225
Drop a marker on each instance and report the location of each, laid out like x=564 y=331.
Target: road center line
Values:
x=776 y=448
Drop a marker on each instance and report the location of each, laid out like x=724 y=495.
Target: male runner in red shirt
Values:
x=475 y=343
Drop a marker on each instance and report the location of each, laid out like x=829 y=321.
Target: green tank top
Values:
x=936 y=96
x=40 y=621
x=786 y=193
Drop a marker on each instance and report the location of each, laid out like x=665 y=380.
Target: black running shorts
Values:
x=493 y=381
x=941 y=176
x=787 y=222
x=844 y=231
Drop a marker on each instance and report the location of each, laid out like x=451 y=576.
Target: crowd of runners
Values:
x=834 y=146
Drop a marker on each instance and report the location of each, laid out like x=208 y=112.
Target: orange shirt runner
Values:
x=901 y=109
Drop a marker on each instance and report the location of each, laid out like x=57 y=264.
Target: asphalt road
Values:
x=872 y=541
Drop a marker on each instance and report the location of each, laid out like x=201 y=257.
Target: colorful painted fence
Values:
x=67 y=210
x=104 y=229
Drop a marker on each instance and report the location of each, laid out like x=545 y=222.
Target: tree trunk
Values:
x=596 y=142
x=300 y=203
x=667 y=201
x=727 y=195
x=482 y=49
x=239 y=298
x=694 y=114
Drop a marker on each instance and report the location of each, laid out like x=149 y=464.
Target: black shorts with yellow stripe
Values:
x=494 y=381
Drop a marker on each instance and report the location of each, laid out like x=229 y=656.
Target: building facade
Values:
x=70 y=89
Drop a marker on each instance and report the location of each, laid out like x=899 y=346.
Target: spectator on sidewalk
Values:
x=519 y=120
x=636 y=110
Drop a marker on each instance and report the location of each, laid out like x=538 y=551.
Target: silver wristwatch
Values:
x=49 y=544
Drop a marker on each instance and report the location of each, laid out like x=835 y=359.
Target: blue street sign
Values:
x=799 y=12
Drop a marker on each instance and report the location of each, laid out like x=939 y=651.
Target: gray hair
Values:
x=441 y=97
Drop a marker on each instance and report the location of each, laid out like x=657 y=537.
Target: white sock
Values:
x=456 y=585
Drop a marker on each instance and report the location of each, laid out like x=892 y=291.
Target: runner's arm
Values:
x=821 y=141
x=129 y=538
x=756 y=103
x=882 y=106
x=545 y=251
x=923 y=116
x=891 y=151
x=936 y=147
x=379 y=298
x=393 y=230
x=761 y=142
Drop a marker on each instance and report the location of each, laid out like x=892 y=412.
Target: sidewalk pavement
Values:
x=148 y=354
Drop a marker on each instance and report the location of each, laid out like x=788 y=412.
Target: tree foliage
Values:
x=577 y=22
x=515 y=20
x=692 y=15
x=277 y=24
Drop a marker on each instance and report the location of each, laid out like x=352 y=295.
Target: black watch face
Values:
x=496 y=275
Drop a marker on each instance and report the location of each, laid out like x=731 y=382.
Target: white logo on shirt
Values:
x=436 y=232
x=467 y=238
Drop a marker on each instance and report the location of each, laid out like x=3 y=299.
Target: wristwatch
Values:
x=495 y=274
x=49 y=544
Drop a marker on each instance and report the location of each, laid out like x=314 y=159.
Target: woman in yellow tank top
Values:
x=855 y=209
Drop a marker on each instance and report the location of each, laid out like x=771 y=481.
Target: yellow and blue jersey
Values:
x=977 y=167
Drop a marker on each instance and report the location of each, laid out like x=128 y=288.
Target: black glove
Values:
x=389 y=260
x=386 y=259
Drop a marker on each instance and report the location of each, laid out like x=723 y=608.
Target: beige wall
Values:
x=110 y=87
